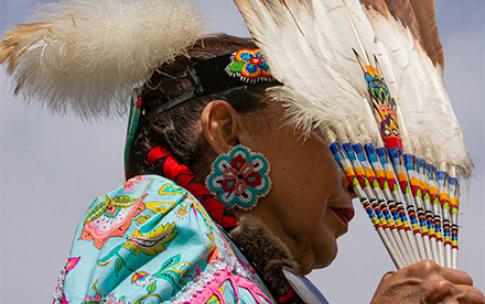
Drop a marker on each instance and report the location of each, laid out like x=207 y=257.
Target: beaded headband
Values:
x=245 y=67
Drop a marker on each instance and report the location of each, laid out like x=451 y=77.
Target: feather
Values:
x=309 y=45
x=416 y=60
x=86 y=55
x=320 y=50
x=323 y=86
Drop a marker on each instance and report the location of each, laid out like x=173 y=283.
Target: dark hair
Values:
x=175 y=129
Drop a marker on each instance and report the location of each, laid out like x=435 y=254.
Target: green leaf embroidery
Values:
x=152 y=287
x=119 y=202
x=118 y=265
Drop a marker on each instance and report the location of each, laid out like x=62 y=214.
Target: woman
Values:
x=282 y=199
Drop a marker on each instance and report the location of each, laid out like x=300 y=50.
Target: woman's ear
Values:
x=220 y=125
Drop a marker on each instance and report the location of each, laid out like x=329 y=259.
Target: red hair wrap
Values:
x=184 y=177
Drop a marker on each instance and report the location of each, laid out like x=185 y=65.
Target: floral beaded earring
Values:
x=239 y=178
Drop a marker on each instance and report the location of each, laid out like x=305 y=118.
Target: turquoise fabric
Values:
x=150 y=241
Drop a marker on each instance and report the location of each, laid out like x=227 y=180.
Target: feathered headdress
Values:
x=87 y=55
x=369 y=75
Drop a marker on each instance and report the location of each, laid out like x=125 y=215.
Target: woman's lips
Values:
x=345 y=214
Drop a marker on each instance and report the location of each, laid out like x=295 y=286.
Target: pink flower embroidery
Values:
x=71 y=263
x=94 y=300
x=112 y=300
x=131 y=184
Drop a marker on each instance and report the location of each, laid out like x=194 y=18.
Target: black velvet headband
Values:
x=242 y=68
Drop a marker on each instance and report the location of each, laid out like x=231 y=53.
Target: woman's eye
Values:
x=395 y=132
x=387 y=132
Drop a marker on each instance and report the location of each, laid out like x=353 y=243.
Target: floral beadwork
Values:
x=250 y=66
x=239 y=178
x=111 y=217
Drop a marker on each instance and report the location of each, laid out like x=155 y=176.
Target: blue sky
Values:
x=53 y=166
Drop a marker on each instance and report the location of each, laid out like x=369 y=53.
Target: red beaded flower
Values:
x=239 y=178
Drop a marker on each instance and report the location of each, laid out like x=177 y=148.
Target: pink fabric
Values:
x=236 y=281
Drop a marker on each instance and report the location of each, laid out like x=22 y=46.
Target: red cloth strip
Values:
x=289 y=297
x=184 y=177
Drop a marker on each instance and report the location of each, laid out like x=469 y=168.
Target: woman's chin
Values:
x=326 y=254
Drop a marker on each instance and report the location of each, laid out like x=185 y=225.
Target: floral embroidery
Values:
x=172 y=189
x=183 y=212
x=98 y=299
x=59 y=296
x=141 y=278
x=250 y=66
x=176 y=275
x=239 y=178
x=105 y=261
x=150 y=241
x=213 y=256
x=147 y=240
x=112 y=300
x=72 y=263
x=199 y=210
x=92 y=300
x=160 y=207
x=131 y=184
x=142 y=219
x=173 y=270
x=110 y=218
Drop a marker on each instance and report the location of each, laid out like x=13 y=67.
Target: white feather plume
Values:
x=309 y=46
x=419 y=89
x=86 y=55
x=323 y=86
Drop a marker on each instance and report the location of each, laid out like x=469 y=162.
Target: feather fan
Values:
x=369 y=74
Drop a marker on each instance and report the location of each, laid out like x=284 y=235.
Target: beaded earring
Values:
x=239 y=178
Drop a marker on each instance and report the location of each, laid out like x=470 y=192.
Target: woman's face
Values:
x=309 y=205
